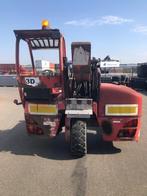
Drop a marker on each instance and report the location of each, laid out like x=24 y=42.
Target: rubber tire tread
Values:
x=78 y=138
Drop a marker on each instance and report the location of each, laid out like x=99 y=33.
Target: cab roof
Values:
x=46 y=38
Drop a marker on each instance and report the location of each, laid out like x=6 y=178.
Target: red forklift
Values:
x=71 y=95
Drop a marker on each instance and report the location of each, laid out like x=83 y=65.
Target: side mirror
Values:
x=15 y=101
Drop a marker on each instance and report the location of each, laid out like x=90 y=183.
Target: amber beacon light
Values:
x=45 y=24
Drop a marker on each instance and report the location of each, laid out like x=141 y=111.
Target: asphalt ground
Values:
x=34 y=166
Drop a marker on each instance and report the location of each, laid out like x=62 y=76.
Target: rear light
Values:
x=131 y=123
x=129 y=129
x=126 y=133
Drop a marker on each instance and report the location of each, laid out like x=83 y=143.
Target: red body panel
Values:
x=118 y=126
x=118 y=94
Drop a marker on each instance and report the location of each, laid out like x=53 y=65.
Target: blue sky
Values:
x=114 y=27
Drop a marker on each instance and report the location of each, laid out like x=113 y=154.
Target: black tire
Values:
x=78 y=138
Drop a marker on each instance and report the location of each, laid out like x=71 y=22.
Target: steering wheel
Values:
x=48 y=72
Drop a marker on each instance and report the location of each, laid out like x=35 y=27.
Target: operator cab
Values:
x=42 y=48
x=40 y=61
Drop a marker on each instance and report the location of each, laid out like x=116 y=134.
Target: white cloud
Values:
x=141 y=29
x=114 y=20
x=105 y=20
x=83 y=22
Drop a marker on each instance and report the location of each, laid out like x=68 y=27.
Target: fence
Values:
x=8 y=80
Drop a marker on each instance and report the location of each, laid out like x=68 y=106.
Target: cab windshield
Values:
x=39 y=51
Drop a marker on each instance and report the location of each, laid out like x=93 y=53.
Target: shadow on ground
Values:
x=16 y=141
